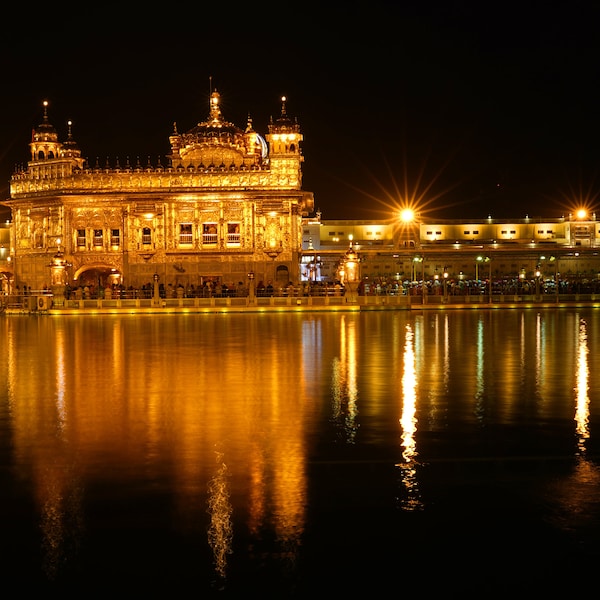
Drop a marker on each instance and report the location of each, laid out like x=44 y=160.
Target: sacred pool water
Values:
x=282 y=455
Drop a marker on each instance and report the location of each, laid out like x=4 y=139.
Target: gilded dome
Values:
x=217 y=143
x=45 y=131
x=215 y=126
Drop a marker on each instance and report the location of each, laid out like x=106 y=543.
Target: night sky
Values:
x=468 y=108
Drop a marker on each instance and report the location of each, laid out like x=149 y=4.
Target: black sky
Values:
x=476 y=108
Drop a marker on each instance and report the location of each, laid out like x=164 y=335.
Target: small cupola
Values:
x=44 y=139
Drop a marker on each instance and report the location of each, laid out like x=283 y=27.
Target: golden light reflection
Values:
x=446 y=352
x=61 y=369
x=257 y=469
x=53 y=468
x=344 y=384
x=100 y=400
x=61 y=520
x=56 y=489
x=220 y=531
x=582 y=411
x=479 y=373
x=578 y=496
x=539 y=331
x=411 y=501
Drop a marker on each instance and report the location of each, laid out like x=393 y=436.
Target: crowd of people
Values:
x=213 y=288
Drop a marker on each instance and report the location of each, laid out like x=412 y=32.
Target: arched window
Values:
x=146 y=236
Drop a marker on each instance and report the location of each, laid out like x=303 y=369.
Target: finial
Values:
x=283 y=101
x=215 y=111
x=45 y=104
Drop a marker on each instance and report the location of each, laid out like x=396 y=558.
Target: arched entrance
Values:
x=97 y=277
x=282 y=275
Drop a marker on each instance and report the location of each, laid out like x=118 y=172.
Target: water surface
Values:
x=287 y=454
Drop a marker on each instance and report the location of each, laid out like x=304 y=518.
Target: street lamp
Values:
x=251 y=292
x=349 y=273
x=313 y=265
x=58 y=274
x=445 y=282
x=483 y=260
x=58 y=268
x=521 y=280
x=416 y=261
x=408 y=228
x=554 y=259
x=156 y=291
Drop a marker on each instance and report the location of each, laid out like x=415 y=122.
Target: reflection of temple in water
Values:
x=214 y=451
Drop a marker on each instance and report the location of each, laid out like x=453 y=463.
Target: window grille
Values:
x=185 y=233
x=146 y=236
x=209 y=233
x=233 y=233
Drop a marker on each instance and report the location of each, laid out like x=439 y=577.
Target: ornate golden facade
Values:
x=228 y=202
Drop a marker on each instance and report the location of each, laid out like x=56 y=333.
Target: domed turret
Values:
x=47 y=152
x=284 y=134
x=70 y=148
x=44 y=139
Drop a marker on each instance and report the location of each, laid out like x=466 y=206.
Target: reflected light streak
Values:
x=59 y=489
x=408 y=421
x=446 y=352
x=61 y=520
x=220 y=532
x=523 y=353
x=60 y=379
x=579 y=495
x=582 y=411
x=336 y=389
x=258 y=495
x=538 y=351
x=480 y=378
x=344 y=384
x=351 y=426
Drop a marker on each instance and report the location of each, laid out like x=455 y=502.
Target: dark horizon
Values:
x=467 y=111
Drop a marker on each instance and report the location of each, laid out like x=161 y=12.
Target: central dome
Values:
x=215 y=126
x=218 y=143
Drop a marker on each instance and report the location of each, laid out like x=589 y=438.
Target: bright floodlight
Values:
x=581 y=213
x=407 y=215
